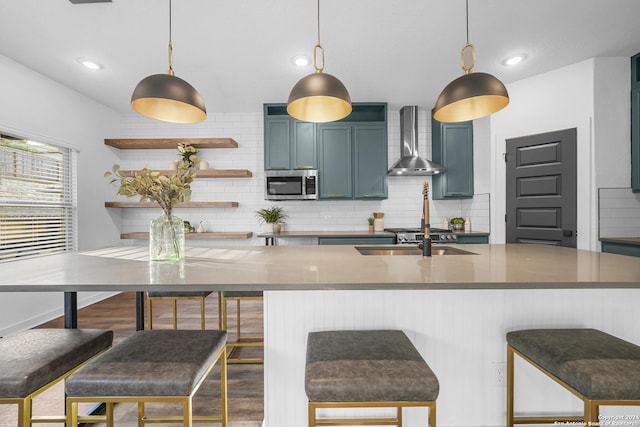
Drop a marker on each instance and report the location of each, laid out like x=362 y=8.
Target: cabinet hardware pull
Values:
x=304 y=167
x=278 y=167
x=336 y=195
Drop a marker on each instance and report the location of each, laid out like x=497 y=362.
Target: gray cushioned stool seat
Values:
x=31 y=359
x=598 y=365
x=240 y=294
x=178 y=294
x=150 y=363
x=366 y=366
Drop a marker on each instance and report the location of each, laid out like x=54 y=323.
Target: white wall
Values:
x=33 y=106
x=592 y=96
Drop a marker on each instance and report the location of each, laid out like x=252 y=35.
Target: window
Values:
x=36 y=199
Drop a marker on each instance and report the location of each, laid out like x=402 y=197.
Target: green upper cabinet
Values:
x=277 y=147
x=288 y=143
x=370 y=161
x=453 y=147
x=350 y=154
x=334 y=149
x=353 y=154
x=635 y=123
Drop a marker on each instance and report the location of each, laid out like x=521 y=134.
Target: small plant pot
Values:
x=371 y=228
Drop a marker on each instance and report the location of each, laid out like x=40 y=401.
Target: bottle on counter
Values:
x=467 y=224
x=445 y=223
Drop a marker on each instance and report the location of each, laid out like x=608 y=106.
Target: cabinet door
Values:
x=635 y=140
x=334 y=145
x=370 y=162
x=277 y=141
x=453 y=148
x=303 y=148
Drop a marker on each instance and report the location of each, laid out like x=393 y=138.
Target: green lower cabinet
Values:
x=472 y=240
x=620 y=249
x=356 y=240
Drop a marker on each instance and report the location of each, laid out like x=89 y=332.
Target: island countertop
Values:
x=511 y=266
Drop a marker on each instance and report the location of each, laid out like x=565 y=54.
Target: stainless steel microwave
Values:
x=291 y=185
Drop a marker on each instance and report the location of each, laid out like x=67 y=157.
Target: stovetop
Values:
x=416 y=230
x=415 y=235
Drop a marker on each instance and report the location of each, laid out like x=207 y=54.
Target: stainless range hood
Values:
x=411 y=164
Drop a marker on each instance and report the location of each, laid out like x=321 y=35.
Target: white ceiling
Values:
x=237 y=53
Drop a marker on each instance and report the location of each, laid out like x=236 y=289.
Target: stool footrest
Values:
x=357 y=421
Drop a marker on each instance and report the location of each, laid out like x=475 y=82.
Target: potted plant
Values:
x=270 y=216
x=370 y=220
x=457 y=223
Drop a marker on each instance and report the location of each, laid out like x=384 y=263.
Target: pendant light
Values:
x=167 y=97
x=472 y=95
x=319 y=97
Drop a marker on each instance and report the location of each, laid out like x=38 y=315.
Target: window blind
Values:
x=36 y=199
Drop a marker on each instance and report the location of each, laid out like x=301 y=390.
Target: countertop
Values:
x=357 y=233
x=511 y=266
x=363 y=233
x=635 y=241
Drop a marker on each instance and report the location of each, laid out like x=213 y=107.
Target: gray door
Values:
x=541 y=189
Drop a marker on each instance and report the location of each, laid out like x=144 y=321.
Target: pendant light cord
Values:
x=467 y=9
x=170 y=44
x=465 y=68
x=318 y=47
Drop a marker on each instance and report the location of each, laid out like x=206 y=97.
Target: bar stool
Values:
x=241 y=340
x=33 y=361
x=367 y=369
x=160 y=366
x=175 y=297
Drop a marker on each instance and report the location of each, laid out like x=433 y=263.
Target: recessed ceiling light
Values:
x=89 y=64
x=300 y=61
x=515 y=59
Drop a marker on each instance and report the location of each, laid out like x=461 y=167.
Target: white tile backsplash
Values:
x=402 y=209
x=618 y=212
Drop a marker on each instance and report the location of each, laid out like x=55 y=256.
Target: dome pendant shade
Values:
x=319 y=98
x=168 y=98
x=470 y=97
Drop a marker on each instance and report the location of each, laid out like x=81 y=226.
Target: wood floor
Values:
x=245 y=382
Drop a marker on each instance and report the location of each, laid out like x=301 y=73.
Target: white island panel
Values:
x=460 y=333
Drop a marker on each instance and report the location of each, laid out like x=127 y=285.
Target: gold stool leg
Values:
x=187 y=409
x=591 y=412
x=399 y=415
x=24 y=413
x=150 y=312
x=175 y=314
x=202 y=321
x=432 y=415
x=220 y=311
x=140 y=414
x=224 y=389
x=312 y=415
x=510 y=386
x=238 y=319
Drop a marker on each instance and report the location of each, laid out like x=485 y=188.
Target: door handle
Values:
x=567 y=233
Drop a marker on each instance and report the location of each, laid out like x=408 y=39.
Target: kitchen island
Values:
x=455 y=309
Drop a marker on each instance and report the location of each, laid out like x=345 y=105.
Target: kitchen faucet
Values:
x=425 y=225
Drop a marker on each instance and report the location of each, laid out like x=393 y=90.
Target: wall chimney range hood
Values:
x=411 y=164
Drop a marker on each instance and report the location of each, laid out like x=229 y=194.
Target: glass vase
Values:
x=166 y=238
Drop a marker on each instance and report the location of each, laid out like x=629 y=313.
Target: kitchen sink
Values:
x=411 y=250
